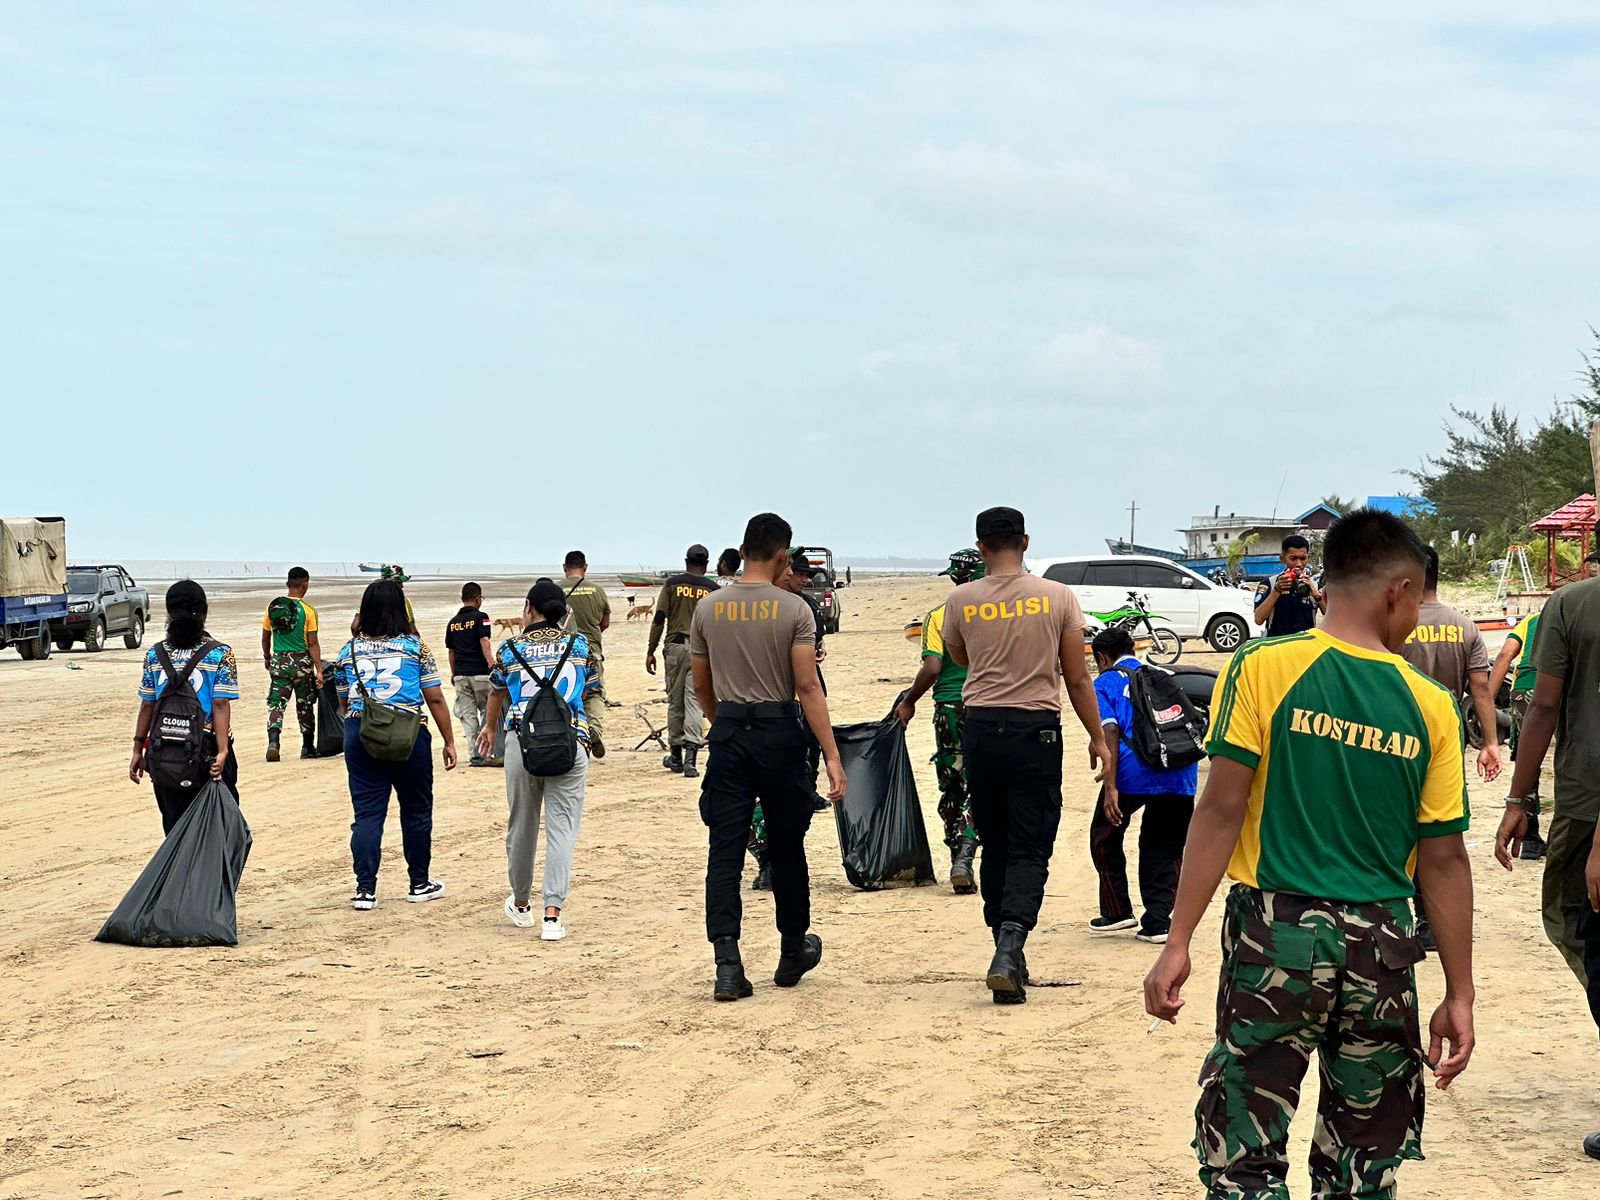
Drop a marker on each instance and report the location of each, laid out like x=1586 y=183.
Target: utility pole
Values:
x=1133 y=511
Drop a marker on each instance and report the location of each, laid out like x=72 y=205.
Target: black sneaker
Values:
x=797 y=958
x=363 y=901
x=1156 y=937
x=1111 y=924
x=421 y=893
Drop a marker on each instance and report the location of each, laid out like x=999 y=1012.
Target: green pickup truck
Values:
x=101 y=601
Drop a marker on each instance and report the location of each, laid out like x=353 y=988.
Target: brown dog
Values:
x=512 y=625
x=639 y=612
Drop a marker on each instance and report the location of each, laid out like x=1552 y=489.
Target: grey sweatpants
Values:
x=561 y=798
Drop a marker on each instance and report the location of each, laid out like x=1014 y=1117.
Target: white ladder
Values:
x=1519 y=556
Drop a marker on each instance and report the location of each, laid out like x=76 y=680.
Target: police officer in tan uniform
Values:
x=675 y=609
x=589 y=613
x=755 y=670
x=1019 y=637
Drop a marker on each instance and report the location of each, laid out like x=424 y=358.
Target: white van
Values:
x=1192 y=606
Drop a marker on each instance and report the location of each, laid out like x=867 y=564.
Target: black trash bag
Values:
x=185 y=896
x=881 y=836
x=330 y=725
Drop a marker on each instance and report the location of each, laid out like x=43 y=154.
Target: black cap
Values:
x=697 y=553
x=998 y=522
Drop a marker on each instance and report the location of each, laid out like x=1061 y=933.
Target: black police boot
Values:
x=1534 y=847
x=273 y=736
x=674 y=760
x=731 y=981
x=1022 y=958
x=797 y=956
x=690 y=771
x=308 y=748
x=763 y=879
x=1006 y=979
x=963 y=878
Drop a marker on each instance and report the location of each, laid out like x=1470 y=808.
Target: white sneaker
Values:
x=1155 y=939
x=363 y=901
x=421 y=893
x=522 y=918
x=553 y=930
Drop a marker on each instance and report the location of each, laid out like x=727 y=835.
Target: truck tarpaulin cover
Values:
x=33 y=556
x=185 y=896
x=881 y=835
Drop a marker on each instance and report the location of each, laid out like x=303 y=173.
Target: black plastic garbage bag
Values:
x=185 y=896
x=881 y=835
x=330 y=725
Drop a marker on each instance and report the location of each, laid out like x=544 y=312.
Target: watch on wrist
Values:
x=1520 y=801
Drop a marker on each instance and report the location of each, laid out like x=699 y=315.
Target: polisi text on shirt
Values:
x=1006 y=610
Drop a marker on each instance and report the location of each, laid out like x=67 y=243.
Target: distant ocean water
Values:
x=164 y=570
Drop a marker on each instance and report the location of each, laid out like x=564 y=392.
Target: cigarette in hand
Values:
x=1154 y=1025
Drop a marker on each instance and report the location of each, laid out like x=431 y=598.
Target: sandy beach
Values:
x=436 y=1051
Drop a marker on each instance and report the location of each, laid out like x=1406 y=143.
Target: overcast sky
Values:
x=483 y=281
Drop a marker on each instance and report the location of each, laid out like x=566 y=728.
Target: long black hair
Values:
x=186 y=615
x=383 y=610
x=548 y=600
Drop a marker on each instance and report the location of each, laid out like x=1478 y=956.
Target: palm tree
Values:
x=1236 y=550
x=1339 y=504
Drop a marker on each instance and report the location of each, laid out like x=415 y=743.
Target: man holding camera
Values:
x=1290 y=600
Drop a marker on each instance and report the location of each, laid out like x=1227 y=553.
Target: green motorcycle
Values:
x=1166 y=647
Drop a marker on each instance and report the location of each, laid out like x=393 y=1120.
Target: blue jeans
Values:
x=370 y=784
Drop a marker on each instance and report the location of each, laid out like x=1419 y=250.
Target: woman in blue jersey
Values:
x=216 y=685
x=399 y=671
x=540 y=648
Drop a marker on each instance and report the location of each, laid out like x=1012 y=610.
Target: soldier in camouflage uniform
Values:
x=945 y=676
x=293 y=658
x=1336 y=771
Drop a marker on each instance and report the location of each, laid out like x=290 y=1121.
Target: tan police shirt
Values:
x=676 y=604
x=1011 y=627
x=1446 y=646
x=746 y=631
x=589 y=605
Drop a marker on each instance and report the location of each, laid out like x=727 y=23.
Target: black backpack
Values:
x=545 y=732
x=283 y=614
x=1168 y=732
x=175 y=753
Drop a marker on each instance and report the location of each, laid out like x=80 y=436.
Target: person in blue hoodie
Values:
x=1166 y=796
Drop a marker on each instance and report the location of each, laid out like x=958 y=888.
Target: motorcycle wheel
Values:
x=1165 y=647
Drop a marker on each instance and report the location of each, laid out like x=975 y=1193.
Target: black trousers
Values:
x=1013 y=760
x=748 y=760
x=174 y=802
x=1162 y=833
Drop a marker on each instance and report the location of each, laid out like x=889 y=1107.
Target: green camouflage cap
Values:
x=395 y=572
x=965 y=566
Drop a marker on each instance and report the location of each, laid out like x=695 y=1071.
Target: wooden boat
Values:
x=653 y=580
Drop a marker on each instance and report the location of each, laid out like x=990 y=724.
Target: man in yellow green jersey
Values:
x=1336 y=779
x=293 y=659
x=946 y=677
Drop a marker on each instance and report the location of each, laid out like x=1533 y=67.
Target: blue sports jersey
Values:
x=395 y=672
x=542 y=647
x=1134 y=776
x=216 y=678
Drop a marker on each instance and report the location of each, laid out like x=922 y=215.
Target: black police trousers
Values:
x=750 y=759
x=1013 y=761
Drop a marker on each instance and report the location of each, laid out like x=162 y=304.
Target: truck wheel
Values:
x=1227 y=634
x=95 y=640
x=135 y=633
x=35 y=647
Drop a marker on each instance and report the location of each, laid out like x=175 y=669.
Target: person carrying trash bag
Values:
x=946 y=677
x=181 y=736
x=386 y=676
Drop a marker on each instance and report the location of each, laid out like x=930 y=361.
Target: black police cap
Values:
x=997 y=522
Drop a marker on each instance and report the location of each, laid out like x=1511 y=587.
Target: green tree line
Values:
x=1498 y=473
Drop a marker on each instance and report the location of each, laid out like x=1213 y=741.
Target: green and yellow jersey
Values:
x=947 y=688
x=1526 y=675
x=1356 y=756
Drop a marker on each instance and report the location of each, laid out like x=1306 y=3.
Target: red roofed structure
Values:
x=1573 y=522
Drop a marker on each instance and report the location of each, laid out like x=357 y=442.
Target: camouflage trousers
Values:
x=758 y=835
x=292 y=671
x=955 y=809
x=1300 y=975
